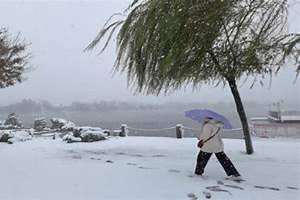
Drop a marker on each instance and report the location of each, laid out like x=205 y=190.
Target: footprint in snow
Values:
x=158 y=156
x=93 y=158
x=212 y=187
x=292 y=188
x=220 y=182
x=120 y=153
x=192 y=196
x=137 y=155
x=207 y=195
x=133 y=164
x=174 y=170
x=76 y=157
x=71 y=151
x=95 y=152
x=267 y=188
x=145 y=167
x=109 y=161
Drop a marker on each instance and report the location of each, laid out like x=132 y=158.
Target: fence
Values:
x=178 y=131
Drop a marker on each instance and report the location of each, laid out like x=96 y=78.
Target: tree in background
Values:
x=13 y=59
x=167 y=45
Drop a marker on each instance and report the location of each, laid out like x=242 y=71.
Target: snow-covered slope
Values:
x=138 y=168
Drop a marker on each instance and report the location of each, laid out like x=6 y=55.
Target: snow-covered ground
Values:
x=138 y=168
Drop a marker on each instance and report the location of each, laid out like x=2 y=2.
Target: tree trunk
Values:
x=242 y=115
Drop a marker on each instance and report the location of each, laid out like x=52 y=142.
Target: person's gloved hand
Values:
x=200 y=143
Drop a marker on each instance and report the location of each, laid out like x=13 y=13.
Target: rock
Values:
x=92 y=136
x=5 y=137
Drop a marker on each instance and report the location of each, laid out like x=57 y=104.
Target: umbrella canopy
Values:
x=200 y=114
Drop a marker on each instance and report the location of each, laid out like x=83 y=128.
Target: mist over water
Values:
x=111 y=114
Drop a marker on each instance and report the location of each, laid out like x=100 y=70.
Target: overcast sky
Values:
x=62 y=72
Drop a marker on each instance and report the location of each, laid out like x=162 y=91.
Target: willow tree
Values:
x=167 y=45
x=13 y=59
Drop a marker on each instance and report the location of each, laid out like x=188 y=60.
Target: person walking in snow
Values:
x=210 y=142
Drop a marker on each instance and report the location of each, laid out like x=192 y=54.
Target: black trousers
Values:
x=203 y=158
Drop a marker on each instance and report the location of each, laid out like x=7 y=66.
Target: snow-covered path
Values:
x=144 y=168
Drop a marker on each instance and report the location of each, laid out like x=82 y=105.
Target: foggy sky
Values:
x=61 y=72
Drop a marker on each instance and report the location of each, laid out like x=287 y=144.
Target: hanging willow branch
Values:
x=166 y=45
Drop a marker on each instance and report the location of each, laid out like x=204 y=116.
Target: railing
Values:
x=179 y=130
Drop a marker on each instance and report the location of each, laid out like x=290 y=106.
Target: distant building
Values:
x=277 y=123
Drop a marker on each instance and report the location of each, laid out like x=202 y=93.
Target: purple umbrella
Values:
x=200 y=114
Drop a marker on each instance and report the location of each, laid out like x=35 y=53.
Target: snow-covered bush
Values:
x=85 y=134
x=21 y=136
x=14 y=136
x=62 y=124
x=70 y=138
x=88 y=128
x=13 y=121
x=40 y=124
